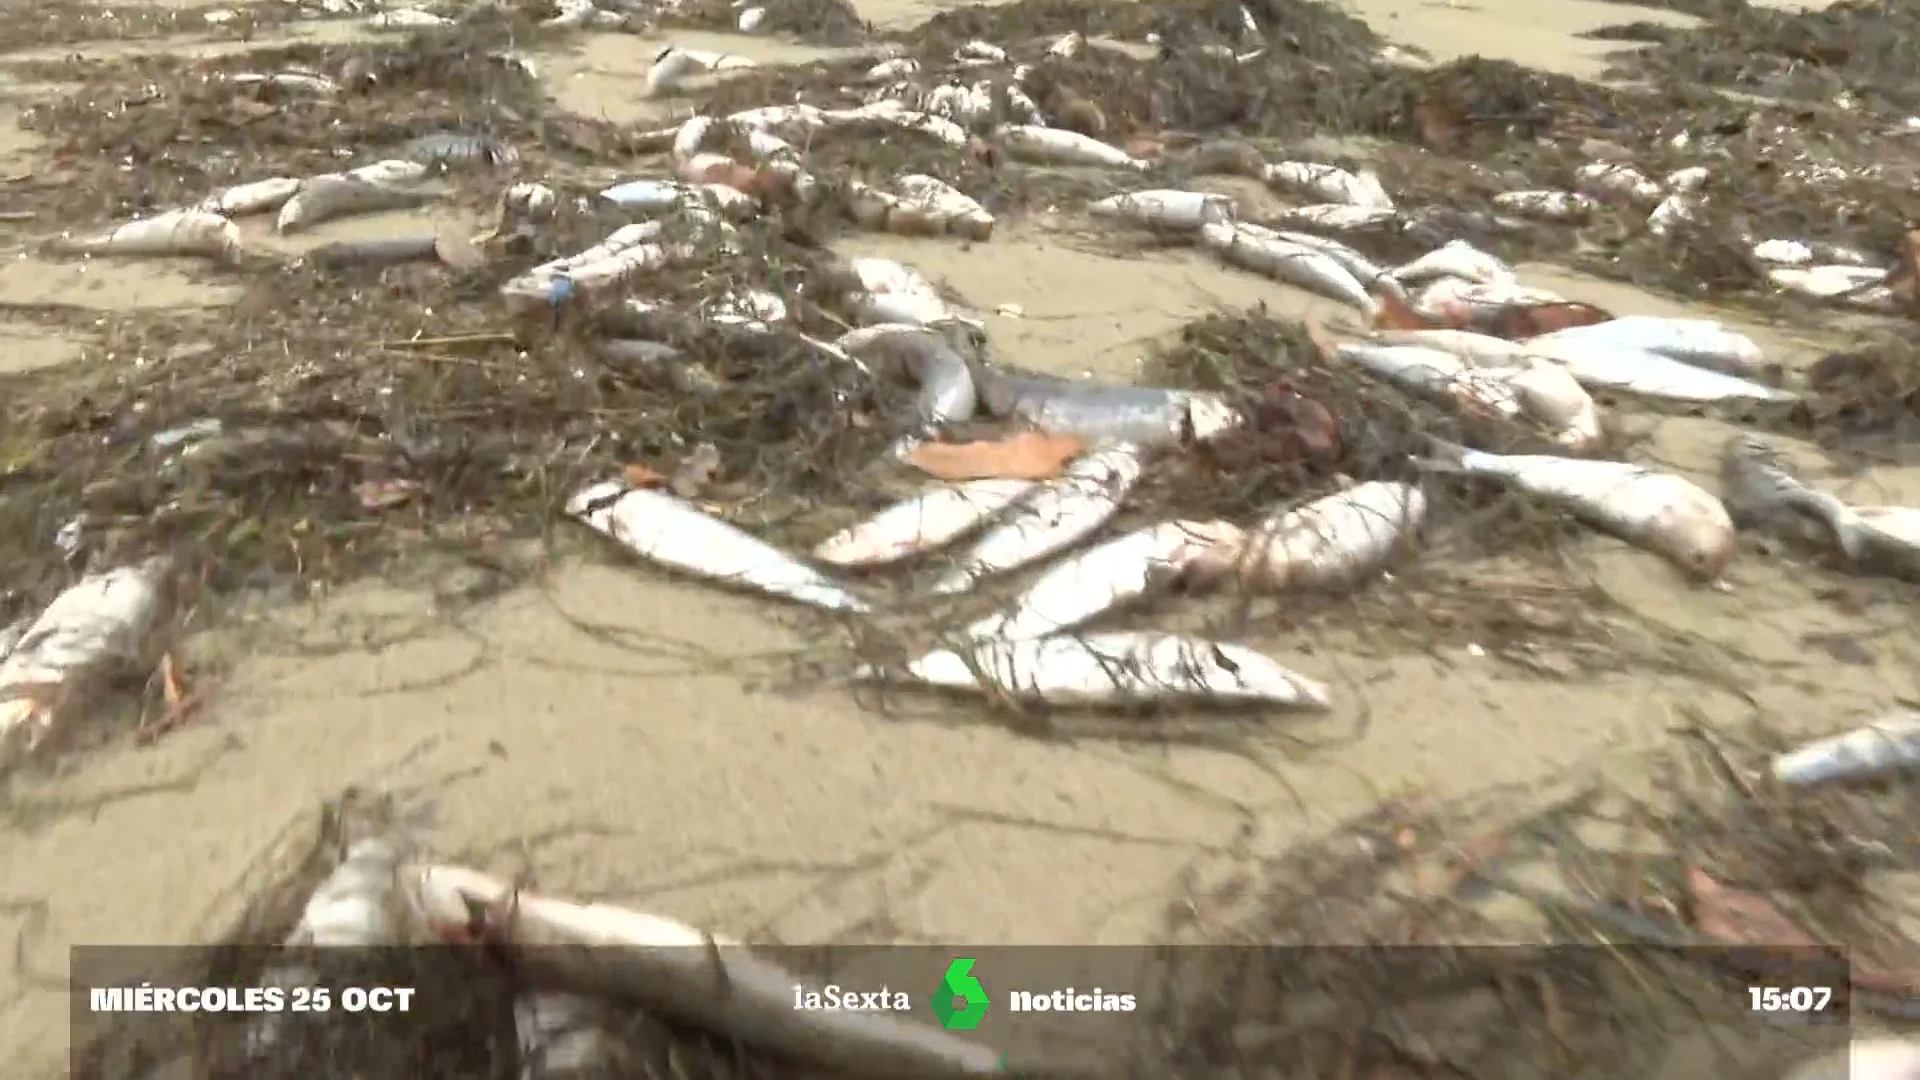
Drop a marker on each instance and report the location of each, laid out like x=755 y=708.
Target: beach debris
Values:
x=1114 y=573
x=1547 y=205
x=1658 y=511
x=253 y=197
x=674 y=533
x=1329 y=183
x=1054 y=146
x=100 y=627
x=1059 y=514
x=1701 y=342
x=1113 y=669
x=1760 y=491
x=176 y=232
x=1167 y=210
x=921 y=523
x=680 y=974
x=1872 y=751
x=1263 y=251
x=1026 y=455
x=1335 y=541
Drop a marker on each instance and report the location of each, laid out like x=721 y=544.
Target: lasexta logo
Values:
x=960 y=1002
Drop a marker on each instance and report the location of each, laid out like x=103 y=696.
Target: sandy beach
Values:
x=616 y=733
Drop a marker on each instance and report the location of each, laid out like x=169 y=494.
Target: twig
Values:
x=491 y=337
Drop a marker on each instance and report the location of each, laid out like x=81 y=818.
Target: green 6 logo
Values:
x=960 y=1002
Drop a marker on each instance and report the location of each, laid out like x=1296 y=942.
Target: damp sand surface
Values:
x=675 y=772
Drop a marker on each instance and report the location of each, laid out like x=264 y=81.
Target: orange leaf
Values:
x=640 y=476
x=1737 y=917
x=1030 y=455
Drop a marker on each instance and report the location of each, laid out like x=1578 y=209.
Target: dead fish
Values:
x=1061 y=512
x=925 y=522
x=1173 y=211
x=958 y=213
x=1887 y=745
x=1435 y=374
x=1673 y=212
x=336 y=195
x=947 y=393
x=1123 y=669
x=1700 y=342
x=255 y=197
x=1148 y=415
x=1858 y=286
x=303 y=82
x=1547 y=205
x=1659 y=511
x=1461 y=302
x=1480 y=350
x=673 y=66
x=892 y=292
x=1113 y=573
x=1337 y=217
x=565 y=1036
x=1369 y=274
x=1864 y=1059
x=1329 y=183
x=1611 y=366
x=1455 y=259
x=176 y=232
x=453 y=149
x=675 y=533
x=1550 y=395
x=1262 y=251
x=99 y=628
x=1053 y=146
x=1618 y=183
x=382 y=251
x=1335 y=541
x=1874 y=539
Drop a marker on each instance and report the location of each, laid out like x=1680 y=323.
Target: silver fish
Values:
x=1700 y=342
x=1262 y=251
x=1364 y=270
x=1166 y=209
x=926 y=354
x=1151 y=416
x=1889 y=744
x=1116 y=669
x=1658 y=511
x=1110 y=574
x=677 y=534
x=1335 y=541
x=1874 y=539
x=324 y=198
x=925 y=522
x=1610 y=366
x=1064 y=511
x=1480 y=350
x=1054 y=146
x=1435 y=374
x=1455 y=259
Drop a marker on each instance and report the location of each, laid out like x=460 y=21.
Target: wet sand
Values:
x=672 y=777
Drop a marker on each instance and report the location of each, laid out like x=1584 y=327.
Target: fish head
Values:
x=1696 y=534
x=1237 y=671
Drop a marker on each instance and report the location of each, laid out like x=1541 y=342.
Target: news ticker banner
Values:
x=1061 y=1006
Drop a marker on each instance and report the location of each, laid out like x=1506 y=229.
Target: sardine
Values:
x=1659 y=511
x=1761 y=492
x=1700 y=342
x=1609 y=366
x=1337 y=541
x=925 y=522
x=176 y=232
x=1060 y=513
x=1116 y=669
x=657 y=526
x=336 y=195
x=1173 y=211
x=1053 y=146
x=1262 y=251
x=1435 y=374
x=1148 y=415
x=254 y=197
x=1114 y=573
x=1889 y=744
x=1456 y=259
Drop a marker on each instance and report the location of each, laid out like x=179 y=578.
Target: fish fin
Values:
x=1441 y=456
